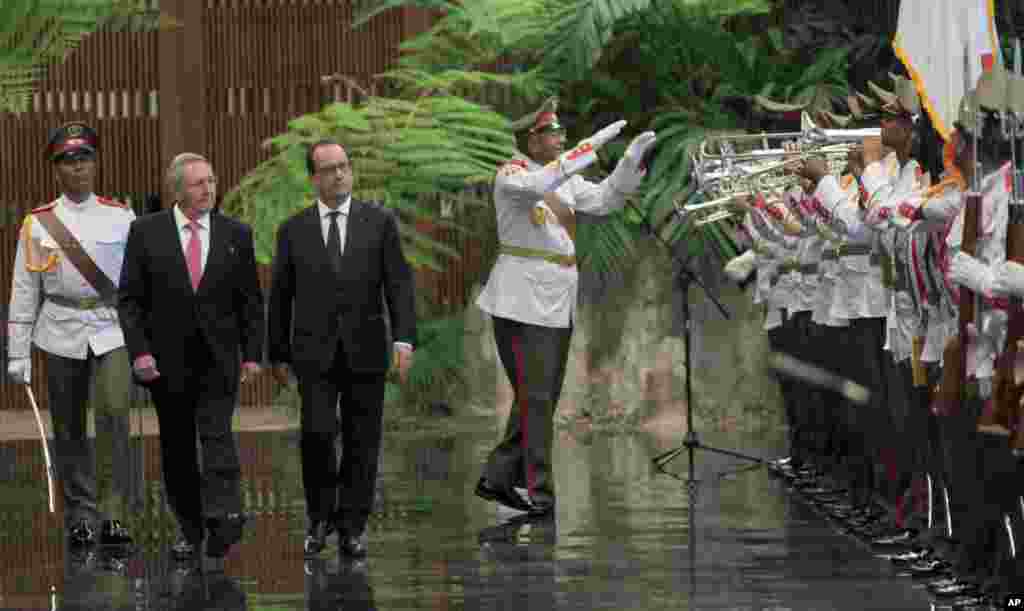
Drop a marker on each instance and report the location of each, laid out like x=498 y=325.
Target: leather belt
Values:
x=86 y=303
x=847 y=250
x=536 y=253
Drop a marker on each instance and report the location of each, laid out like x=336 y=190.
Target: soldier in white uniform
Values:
x=58 y=307
x=531 y=292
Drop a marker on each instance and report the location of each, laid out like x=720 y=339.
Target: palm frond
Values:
x=581 y=30
x=404 y=153
x=36 y=33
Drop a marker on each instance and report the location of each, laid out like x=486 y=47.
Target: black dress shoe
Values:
x=183 y=549
x=506 y=497
x=905 y=557
x=542 y=510
x=115 y=537
x=939 y=583
x=929 y=567
x=904 y=537
x=224 y=532
x=353 y=546
x=961 y=588
x=316 y=537
x=974 y=601
x=81 y=534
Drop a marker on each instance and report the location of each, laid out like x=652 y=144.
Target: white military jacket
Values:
x=535 y=291
x=859 y=291
x=101 y=227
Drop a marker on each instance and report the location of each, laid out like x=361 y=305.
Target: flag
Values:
x=932 y=37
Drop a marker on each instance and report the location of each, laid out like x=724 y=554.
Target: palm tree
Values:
x=37 y=33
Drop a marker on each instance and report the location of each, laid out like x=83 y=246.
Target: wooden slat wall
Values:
x=265 y=63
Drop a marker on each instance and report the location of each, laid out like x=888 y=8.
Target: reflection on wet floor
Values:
x=623 y=537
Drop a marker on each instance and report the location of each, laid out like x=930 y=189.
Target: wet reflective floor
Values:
x=624 y=537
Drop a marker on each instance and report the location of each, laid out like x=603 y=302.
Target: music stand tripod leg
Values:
x=692 y=441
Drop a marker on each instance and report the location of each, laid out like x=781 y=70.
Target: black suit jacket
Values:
x=158 y=307
x=326 y=308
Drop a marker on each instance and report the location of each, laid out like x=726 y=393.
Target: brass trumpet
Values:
x=724 y=165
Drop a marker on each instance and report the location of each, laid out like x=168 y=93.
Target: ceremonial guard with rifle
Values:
x=987 y=506
x=63 y=300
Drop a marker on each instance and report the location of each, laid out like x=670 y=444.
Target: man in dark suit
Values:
x=192 y=312
x=335 y=261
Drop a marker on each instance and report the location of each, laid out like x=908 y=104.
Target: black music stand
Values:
x=692 y=441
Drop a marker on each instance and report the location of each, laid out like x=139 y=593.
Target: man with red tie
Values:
x=192 y=313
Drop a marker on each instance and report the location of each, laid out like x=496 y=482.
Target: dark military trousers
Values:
x=965 y=458
x=534 y=358
x=865 y=421
x=1002 y=508
x=96 y=480
x=843 y=354
x=823 y=351
x=902 y=435
x=786 y=339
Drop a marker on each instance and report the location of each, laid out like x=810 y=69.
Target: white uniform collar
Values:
x=87 y=203
x=182 y=221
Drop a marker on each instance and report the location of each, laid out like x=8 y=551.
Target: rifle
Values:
x=1014 y=409
x=954 y=356
x=1000 y=418
x=953 y=391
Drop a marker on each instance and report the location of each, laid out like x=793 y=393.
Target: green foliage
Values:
x=404 y=152
x=436 y=372
x=580 y=31
x=36 y=33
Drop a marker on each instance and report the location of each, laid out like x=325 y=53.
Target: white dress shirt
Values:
x=342 y=219
x=185 y=234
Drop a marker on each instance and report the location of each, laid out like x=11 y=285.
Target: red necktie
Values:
x=194 y=256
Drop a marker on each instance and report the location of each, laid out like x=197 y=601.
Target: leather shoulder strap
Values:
x=76 y=254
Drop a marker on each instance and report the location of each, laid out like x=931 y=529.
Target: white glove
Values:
x=1008 y=279
x=740 y=268
x=19 y=370
x=627 y=174
x=585 y=153
x=967 y=271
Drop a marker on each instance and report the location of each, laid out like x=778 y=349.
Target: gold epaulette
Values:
x=28 y=244
x=511 y=167
x=538 y=216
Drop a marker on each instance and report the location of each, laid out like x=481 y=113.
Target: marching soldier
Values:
x=531 y=292
x=63 y=299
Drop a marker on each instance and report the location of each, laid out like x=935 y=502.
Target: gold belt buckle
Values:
x=89 y=303
x=566 y=260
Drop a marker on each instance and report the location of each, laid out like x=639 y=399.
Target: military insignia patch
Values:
x=512 y=167
x=538 y=216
